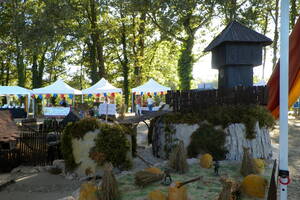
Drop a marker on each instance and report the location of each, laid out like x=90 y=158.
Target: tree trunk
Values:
x=275 y=40
x=185 y=63
x=20 y=64
x=41 y=70
x=265 y=49
x=140 y=49
x=93 y=44
x=2 y=73
x=100 y=57
x=34 y=71
x=125 y=64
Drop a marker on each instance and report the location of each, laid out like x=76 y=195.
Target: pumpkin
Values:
x=154 y=170
x=206 y=161
x=254 y=186
x=156 y=195
x=175 y=193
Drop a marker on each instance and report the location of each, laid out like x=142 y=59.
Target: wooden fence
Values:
x=32 y=148
x=191 y=100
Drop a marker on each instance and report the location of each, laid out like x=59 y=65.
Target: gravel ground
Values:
x=294 y=156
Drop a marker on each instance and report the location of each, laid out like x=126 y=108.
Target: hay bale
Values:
x=177 y=159
x=109 y=185
x=230 y=189
x=247 y=163
x=88 y=191
x=259 y=166
x=143 y=178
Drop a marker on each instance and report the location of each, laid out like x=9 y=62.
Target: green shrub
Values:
x=80 y=128
x=112 y=145
x=66 y=147
x=207 y=139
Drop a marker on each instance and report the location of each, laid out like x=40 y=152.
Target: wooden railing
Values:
x=192 y=100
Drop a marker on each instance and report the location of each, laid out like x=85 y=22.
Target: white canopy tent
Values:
x=150 y=86
x=58 y=87
x=15 y=90
x=102 y=86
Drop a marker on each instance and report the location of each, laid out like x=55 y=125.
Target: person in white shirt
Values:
x=150 y=102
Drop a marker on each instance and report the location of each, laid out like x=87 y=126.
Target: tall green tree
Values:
x=180 y=20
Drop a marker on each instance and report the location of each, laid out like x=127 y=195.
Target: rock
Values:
x=191 y=161
x=25 y=170
x=60 y=164
x=71 y=176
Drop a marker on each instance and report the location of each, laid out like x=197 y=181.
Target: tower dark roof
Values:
x=236 y=32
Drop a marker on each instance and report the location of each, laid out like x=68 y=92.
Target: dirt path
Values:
x=40 y=186
x=294 y=156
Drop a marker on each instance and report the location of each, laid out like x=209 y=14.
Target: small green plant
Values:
x=207 y=139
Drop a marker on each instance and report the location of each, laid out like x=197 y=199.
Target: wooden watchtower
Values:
x=235 y=51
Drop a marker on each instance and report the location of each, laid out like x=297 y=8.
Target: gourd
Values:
x=259 y=166
x=88 y=191
x=176 y=193
x=156 y=195
x=254 y=186
x=206 y=161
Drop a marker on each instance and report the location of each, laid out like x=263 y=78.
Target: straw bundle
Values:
x=109 y=185
x=177 y=159
x=143 y=178
x=247 y=164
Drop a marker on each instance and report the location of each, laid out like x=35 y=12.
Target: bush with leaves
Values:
x=207 y=139
x=113 y=145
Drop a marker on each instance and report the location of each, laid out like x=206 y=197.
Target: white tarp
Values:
x=58 y=87
x=151 y=86
x=102 y=86
x=14 y=90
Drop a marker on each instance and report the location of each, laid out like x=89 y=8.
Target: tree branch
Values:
x=153 y=19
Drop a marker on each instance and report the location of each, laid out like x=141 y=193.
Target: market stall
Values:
x=151 y=88
x=103 y=89
x=16 y=111
x=61 y=89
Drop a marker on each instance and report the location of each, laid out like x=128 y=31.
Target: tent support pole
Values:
x=283 y=99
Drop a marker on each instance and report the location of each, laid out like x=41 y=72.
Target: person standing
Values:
x=150 y=102
x=138 y=107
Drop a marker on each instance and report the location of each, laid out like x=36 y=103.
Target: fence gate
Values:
x=33 y=147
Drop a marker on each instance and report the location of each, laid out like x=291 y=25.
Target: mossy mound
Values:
x=226 y=115
x=111 y=145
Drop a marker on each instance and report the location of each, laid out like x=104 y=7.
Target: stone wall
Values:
x=164 y=136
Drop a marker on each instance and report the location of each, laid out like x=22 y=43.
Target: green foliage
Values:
x=66 y=148
x=112 y=142
x=80 y=128
x=226 y=115
x=207 y=139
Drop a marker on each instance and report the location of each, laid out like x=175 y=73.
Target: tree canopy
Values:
x=124 y=41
